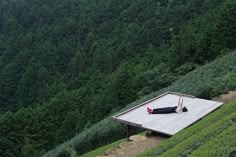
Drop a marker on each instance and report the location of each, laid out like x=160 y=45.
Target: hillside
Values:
x=65 y=65
x=208 y=144
x=213 y=136
x=212 y=79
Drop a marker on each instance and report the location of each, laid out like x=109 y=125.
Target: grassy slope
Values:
x=101 y=150
x=212 y=136
x=216 y=130
x=220 y=146
x=213 y=77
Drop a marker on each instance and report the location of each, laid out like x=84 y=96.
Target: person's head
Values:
x=232 y=154
x=185 y=109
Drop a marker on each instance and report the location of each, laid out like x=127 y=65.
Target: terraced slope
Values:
x=213 y=136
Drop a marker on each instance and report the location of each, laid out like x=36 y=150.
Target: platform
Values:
x=168 y=124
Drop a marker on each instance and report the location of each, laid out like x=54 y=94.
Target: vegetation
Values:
x=101 y=150
x=200 y=82
x=220 y=146
x=65 y=65
x=200 y=136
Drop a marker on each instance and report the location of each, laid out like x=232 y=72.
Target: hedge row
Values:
x=222 y=146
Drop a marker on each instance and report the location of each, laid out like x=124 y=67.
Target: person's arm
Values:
x=180 y=106
x=179 y=101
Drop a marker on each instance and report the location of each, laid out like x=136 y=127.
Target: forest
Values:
x=67 y=64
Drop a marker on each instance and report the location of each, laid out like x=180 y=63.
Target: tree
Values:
x=225 y=33
x=35 y=77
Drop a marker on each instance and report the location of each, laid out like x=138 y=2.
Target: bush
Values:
x=64 y=153
x=224 y=84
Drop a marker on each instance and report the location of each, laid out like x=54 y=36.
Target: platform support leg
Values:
x=127 y=132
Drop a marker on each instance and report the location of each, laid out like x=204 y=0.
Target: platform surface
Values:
x=168 y=124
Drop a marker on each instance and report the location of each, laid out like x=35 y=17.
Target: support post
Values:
x=127 y=132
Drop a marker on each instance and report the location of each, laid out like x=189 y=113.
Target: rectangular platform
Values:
x=168 y=124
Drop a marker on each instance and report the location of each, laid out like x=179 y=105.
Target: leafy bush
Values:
x=207 y=77
x=224 y=84
x=93 y=137
x=64 y=154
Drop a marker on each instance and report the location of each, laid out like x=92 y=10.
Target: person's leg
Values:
x=181 y=104
x=179 y=101
x=149 y=110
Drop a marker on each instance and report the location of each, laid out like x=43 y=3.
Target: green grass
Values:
x=101 y=150
x=208 y=137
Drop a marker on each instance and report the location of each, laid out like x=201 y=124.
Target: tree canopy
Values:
x=66 y=64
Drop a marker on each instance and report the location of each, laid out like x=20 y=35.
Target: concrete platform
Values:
x=168 y=124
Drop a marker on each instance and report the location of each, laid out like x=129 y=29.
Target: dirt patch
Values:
x=231 y=95
x=134 y=147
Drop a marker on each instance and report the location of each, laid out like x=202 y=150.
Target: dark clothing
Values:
x=164 y=110
x=167 y=110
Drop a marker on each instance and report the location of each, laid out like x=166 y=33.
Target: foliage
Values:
x=223 y=145
x=226 y=83
x=196 y=83
x=65 y=45
x=67 y=64
x=101 y=150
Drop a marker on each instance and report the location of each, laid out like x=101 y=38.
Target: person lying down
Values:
x=166 y=110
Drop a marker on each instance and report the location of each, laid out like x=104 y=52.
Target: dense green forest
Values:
x=67 y=64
